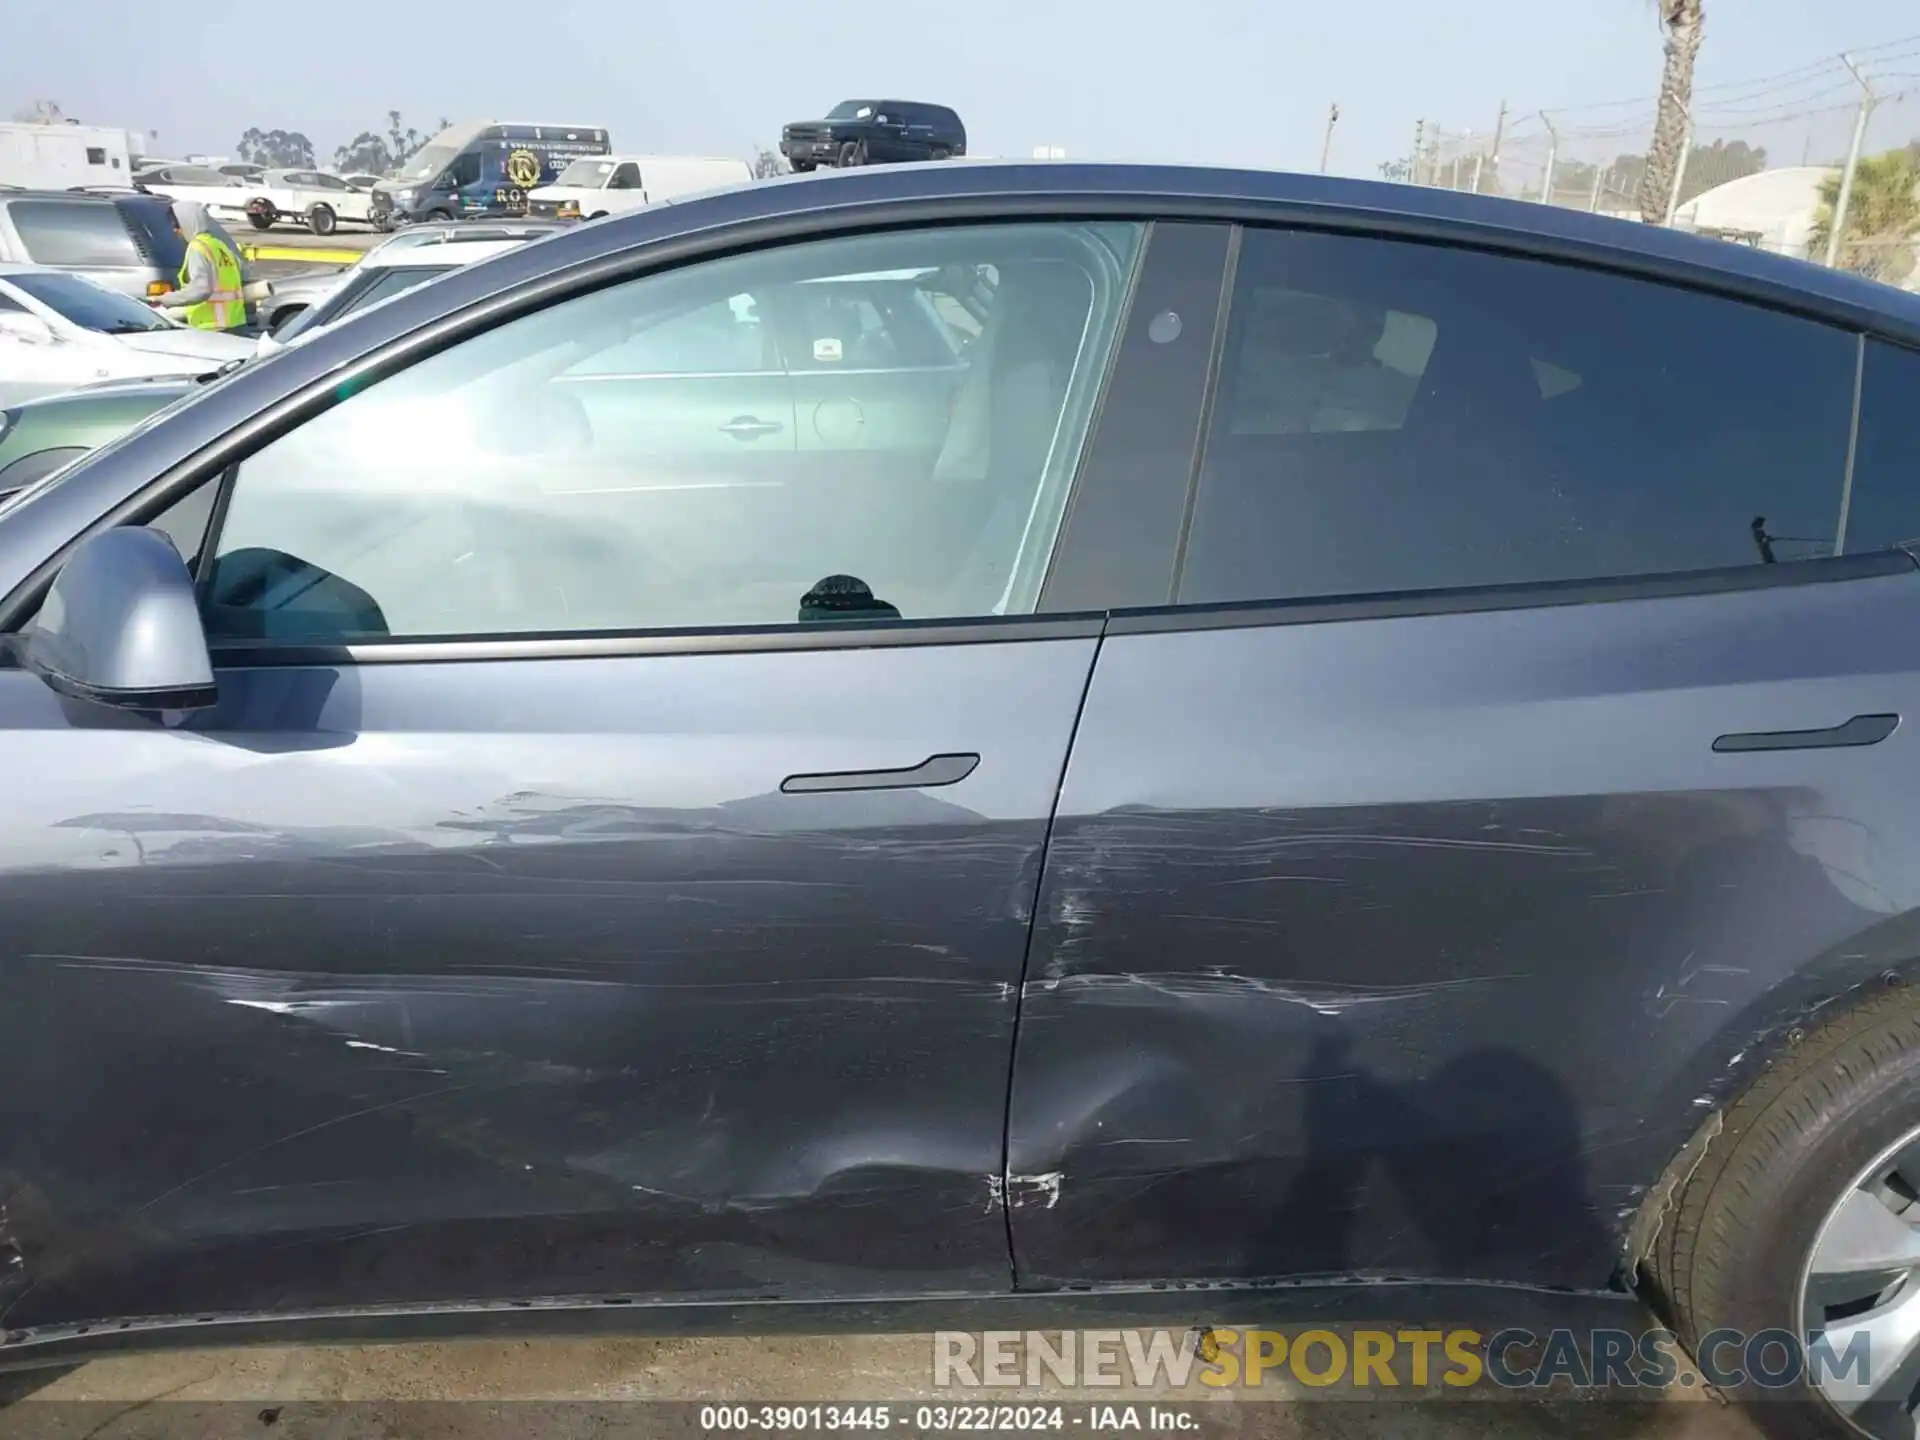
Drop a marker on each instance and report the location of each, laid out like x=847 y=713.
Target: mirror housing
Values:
x=121 y=627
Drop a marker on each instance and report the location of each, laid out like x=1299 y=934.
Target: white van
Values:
x=608 y=184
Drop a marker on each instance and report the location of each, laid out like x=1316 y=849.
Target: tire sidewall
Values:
x=1775 y=1244
x=321 y=220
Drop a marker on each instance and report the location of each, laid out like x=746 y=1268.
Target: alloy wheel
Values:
x=1862 y=1282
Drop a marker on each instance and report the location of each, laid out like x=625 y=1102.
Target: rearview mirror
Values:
x=121 y=626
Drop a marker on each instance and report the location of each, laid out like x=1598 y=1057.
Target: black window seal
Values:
x=1209 y=394
x=1853 y=443
x=1335 y=609
x=573 y=645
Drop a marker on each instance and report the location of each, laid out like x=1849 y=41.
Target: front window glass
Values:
x=586 y=174
x=520 y=483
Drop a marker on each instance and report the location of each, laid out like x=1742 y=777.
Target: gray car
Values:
x=127 y=241
x=1324 y=735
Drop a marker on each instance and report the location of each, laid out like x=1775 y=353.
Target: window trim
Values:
x=1527 y=594
x=624 y=258
x=640 y=641
x=1532 y=595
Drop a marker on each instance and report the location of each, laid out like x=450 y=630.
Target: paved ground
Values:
x=404 y=1391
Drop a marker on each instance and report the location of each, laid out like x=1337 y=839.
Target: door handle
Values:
x=749 y=427
x=1860 y=730
x=933 y=771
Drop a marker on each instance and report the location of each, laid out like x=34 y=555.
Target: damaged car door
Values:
x=1416 y=870
x=605 y=870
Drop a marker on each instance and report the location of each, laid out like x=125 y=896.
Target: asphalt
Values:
x=595 y=1387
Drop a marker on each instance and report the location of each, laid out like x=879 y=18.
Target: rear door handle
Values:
x=1860 y=730
x=749 y=427
x=933 y=771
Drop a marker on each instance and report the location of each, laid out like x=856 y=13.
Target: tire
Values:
x=801 y=167
x=259 y=221
x=1731 y=1250
x=940 y=152
x=854 y=152
x=433 y=215
x=321 y=220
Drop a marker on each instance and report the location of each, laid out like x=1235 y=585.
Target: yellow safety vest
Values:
x=226 y=307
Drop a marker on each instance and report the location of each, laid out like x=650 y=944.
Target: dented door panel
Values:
x=1418 y=946
x=439 y=982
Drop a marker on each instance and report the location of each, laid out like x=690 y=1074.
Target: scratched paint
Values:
x=348 y=995
x=1420 y=947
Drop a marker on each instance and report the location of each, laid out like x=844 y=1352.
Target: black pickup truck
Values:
x=874 y=132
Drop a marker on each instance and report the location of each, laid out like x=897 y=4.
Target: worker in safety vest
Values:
x=213 y=282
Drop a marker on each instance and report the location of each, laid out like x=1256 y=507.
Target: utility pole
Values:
x=1419 y=152
x=1839 y=224
x=1553 y=154
x=1499 y=130
x=1679 y=173
x=1599 y=179
x=1326 y=145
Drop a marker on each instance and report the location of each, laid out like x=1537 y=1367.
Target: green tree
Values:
x=377 y=154
x=276 y=149
x=1683 y=23
x=1883 y=216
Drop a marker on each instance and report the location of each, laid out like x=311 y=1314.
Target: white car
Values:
x=609 y=184
x=314 y=199
x=59 y=331
x=384 y=273
x=225 y=195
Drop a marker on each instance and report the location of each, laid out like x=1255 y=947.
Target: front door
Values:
x=1385 y=914
x=545 y=910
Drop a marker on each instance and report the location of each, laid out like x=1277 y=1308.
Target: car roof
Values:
x=453 y=252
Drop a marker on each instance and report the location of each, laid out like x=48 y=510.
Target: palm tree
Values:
x=1683 y=21
x=1883 y=216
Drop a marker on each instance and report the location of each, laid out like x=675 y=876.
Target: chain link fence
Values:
x=1767 y=162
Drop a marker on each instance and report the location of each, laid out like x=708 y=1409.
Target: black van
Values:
x=874 y=132
x=484 y=169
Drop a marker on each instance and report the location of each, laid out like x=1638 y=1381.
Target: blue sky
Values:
x=1235 y=81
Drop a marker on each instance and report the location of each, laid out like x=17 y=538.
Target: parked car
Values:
x=362 y=179
x=381 y=274
x=1320 y=763
x=607 y=185
x=129 y=243
x=874 y=132
x=41 y=436
x=310 y=197
x=59 y=330
x=226 y=195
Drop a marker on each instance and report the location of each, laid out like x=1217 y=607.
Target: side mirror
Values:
x=121 y=627
x=29 y=328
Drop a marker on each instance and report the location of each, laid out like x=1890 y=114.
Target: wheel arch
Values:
x=1691 y=1111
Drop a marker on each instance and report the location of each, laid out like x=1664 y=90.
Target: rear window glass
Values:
x=155 y=232
x=75 y=233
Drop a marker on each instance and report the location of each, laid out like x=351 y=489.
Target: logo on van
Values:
x=523 y=168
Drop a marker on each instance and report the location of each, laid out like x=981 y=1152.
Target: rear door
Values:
x=564 y=899
x=1387 y=916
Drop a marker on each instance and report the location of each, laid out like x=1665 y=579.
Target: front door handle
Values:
x=934 y=770
x=1860 y=730
x=749 y=427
